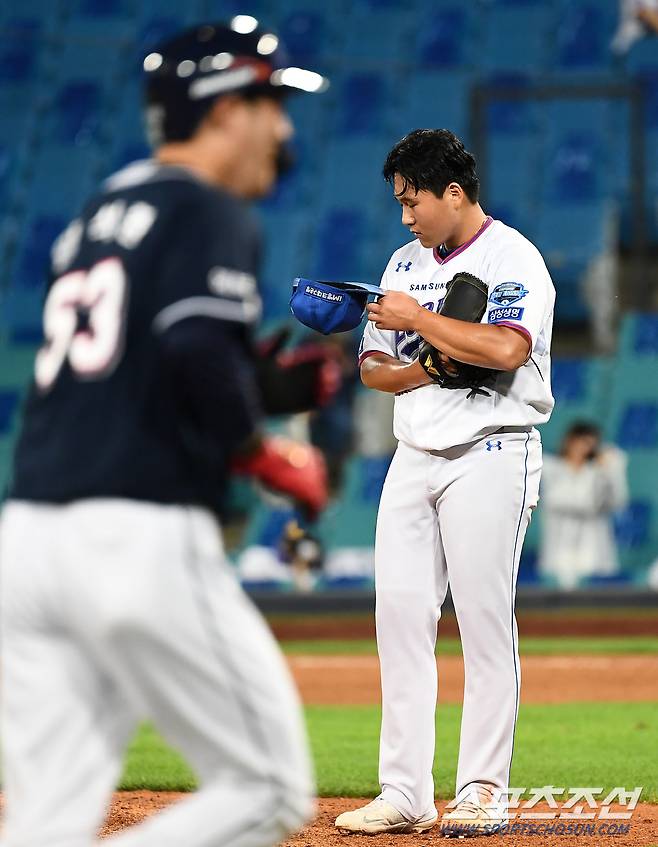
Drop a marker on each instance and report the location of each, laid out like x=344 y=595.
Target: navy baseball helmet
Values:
x=185 y=74
x=330 y=307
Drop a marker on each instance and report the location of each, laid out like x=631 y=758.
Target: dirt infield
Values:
x=340 y=680
x=355 y=680
x=588 y=622
x=131 y=807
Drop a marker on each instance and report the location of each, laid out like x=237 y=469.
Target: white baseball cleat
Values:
x=471 y=818
x=379 y=816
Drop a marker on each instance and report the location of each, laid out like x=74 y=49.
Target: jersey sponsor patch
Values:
x=508 y=313
x=507 y=293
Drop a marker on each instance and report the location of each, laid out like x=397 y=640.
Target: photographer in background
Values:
x=580 y=490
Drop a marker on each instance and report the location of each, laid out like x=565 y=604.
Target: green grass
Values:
x=583 y=744
x=535 y=646
x=573 y=744
x=150 y=763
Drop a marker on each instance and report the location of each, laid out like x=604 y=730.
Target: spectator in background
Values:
x=580 y=490
x=637 y=18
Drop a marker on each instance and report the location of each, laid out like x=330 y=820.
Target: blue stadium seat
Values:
x=156 y=29
x=576 y=114
x=643 y=57
x=649 y=80
x=5 y=170
x=645 y=340
x=512 y=175
x=191 y=11
x=6 y=454
x=16 y=365
x=569 y=238
x=392 y=236
x=303 y=31
x=128 y=141
x=340 y=243
x=286 y=249
x=434 y=99
x=445 y=37
x=516 y=37
x=8 y=406
x=22 y=312
x=571 y=233
x=77 y=112
x=34 y=251
x=638 y=426
x=633 y=525
x=373 y=474
x=99 y=23
x=574 y=170
x=12 y=159
x=583 y=37
x=18 y=54
x=313 y=121
x=616 y=135
x=512 y=116
x=62 y=180
x=103 y=8
x=582 y=389
x=364 y=98
x=22 y=14
x=294 y=188
x=638 y=336
x=379 y=4
x=569 y=380
x=369 y=34
x=351 y=172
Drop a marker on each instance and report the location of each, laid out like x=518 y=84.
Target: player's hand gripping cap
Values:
x=185 y=74
x=330 y=306
x=465 y=300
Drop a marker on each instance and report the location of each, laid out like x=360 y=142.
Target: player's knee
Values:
x=402 y=609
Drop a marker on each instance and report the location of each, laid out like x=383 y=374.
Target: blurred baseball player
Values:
x=462 y=485
x=117 y=600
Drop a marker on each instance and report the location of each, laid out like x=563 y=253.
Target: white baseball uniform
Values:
x=454 y=510
x=117 y=600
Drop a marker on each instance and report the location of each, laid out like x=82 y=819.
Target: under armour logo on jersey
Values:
x=491 y=445
x=405 y=265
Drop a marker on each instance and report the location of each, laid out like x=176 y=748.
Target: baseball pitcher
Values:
x=462 y=338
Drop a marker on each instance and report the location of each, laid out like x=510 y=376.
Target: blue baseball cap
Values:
x=330 y=307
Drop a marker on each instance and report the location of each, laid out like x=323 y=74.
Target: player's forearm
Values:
x=214 y=384
x=385 y=373
x=485 y=345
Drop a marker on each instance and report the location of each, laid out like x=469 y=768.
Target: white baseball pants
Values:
x=113 y=611
x=454 y=517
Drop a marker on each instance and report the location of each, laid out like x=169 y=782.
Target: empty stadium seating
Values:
x=556 y=168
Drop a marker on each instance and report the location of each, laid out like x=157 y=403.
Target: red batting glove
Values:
x=289 y=467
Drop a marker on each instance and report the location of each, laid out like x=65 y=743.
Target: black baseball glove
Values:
x=297 y=380
x=465 y=300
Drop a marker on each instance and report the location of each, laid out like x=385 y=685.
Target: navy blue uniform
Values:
x=145 y=384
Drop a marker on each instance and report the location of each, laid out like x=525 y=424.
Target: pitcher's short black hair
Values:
x=429 y=160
